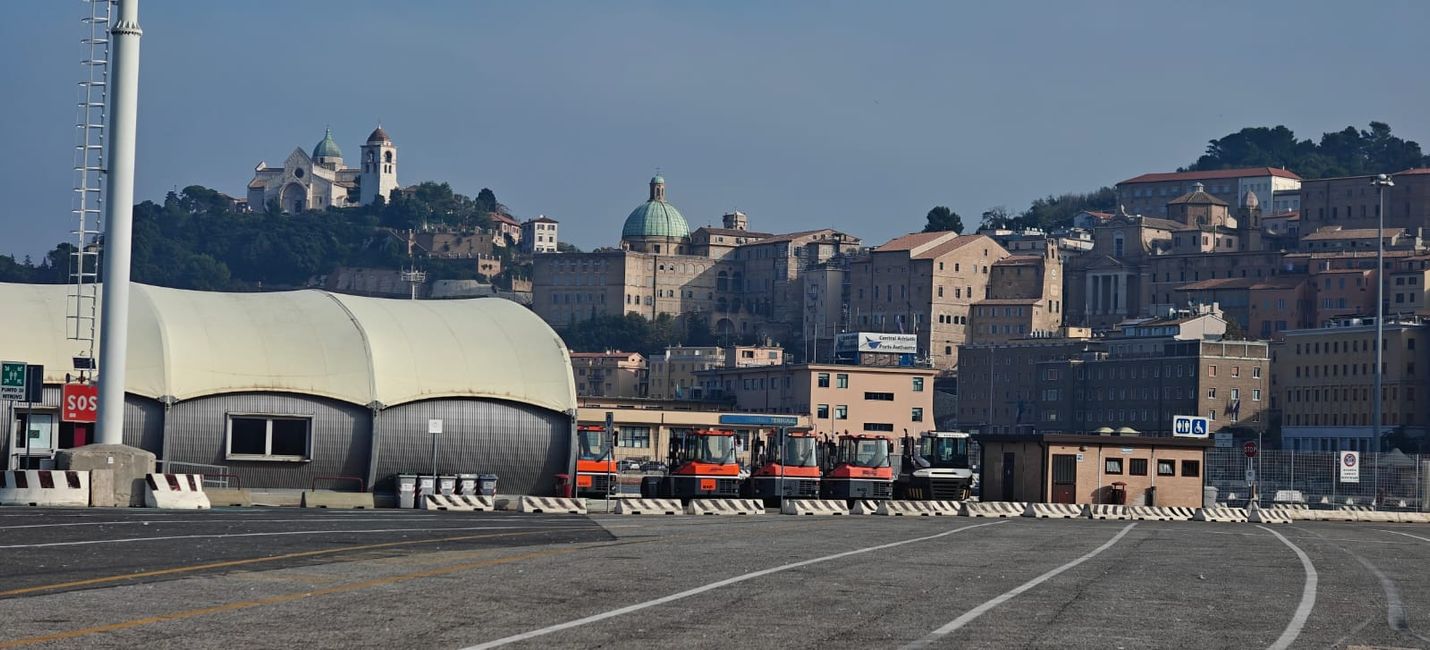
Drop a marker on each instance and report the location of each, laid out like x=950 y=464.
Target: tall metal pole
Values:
x=1381 y=182
x=118 y=222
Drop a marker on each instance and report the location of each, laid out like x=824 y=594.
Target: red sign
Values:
x=79 y=403
x=1249 y=449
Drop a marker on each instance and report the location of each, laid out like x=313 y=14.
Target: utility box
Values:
x=407 y=490
x=467 y=484
x=487 y=485
x=447 y=485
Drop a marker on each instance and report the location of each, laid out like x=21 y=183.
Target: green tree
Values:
x=941 y=219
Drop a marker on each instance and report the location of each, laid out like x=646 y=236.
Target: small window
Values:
x=879 y=397
x=1166 y=468
x=918 y=414
x=824 y=380
x=1112 y=466
x=841 y=412
x=918 y=384
x=1191 y=468
x=1137 y=466
x=263 y=437
x=841 y=380
x=822 y=411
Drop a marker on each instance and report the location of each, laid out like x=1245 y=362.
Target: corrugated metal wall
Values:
x=143 y=419
x=341 y=442
x=525 y=446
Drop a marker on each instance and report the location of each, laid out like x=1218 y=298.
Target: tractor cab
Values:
x=596 y=472
x=858 y=467
x=702 y=464
x=784 y=465
x=935 y=466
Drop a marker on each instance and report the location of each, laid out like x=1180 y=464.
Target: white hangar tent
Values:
x=284 y=389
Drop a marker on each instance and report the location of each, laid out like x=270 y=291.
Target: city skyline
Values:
x=800 y=117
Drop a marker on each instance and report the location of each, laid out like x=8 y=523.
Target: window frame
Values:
x=1133 y=464
x=268 y=455
x=1194 y=465
x=1107 y=466
x=1166 y=467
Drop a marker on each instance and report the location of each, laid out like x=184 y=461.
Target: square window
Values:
x=918 y=384
x=841 y=380
x=1166 y=468
x=822 y=411
x=918 y=414
x=824 y=380
x=1112 y=466
x=1137 y=466
x=248 y=436
x=1191 y=468
x=841 y=412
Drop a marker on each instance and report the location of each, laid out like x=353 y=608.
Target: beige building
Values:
x=539 y=235
x=1025 y=298
x=673 y=373
x=923 y=284
x=1324 y=378
x=609 y=374
x=1352 y=202
x=1149 y=194
x=998 y=380
x=836 y=398
x=322 y=180
x=1069 y=468
x=644 y=427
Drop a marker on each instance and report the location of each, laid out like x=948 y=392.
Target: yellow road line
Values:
x=277 y=600
x=272 y=558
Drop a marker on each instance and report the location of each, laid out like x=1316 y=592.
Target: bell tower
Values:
x=378 y=176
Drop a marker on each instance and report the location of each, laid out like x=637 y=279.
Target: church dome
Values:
x=328 y=148
x=655 y=217
x=378 y=135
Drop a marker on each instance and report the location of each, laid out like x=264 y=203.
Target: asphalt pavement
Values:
x=271 y=578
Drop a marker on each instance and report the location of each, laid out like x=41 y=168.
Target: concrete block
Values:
x=1108 y=511
x=130 y=466
x=1054 y=511
x=1223 y=515
x=458 y=503
x=551 y=505
x=725 y=507
x=338 y=500
x=276 y=497
x=176 y=492
x=993 y=508
x=1258 y=515
x=863 y=507
x=44 y=488
x=919 y=508
x=229 y=497
x=101 y=488
x=649 y=507
x=814 y=507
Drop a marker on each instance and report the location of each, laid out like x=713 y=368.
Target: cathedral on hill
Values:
x=317 y=181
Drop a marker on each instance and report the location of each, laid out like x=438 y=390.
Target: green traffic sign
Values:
x=12 y=380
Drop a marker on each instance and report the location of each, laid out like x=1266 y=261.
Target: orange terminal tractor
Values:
x=596 y=472
x=702 y=465
x=857 y=467
x=784 y=465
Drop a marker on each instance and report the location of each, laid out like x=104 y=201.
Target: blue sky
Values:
x=854 y=115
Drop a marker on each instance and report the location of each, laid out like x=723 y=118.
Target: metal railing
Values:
x=1386 y=481
x=215 y=476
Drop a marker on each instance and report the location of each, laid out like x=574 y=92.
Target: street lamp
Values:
x=1380 y=182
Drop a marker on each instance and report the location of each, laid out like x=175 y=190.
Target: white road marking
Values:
x=971 y=614
x=1396 y=532
x=1308 y=596
x=273 y=534
x=712 y=586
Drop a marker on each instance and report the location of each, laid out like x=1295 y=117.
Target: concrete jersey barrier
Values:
x=1107 y=511
x=865 y=507
x=231 y=497
x=1054 y=511
x=993 y=508
x=919 y=508
x=1220 y=514
x=649 y=507
x=725 y=507
x=1258 y=515
x=333 y=500
x=552 y=505
x=814 y=507
x=44 y=487
x=175 y=492
x=458 y=502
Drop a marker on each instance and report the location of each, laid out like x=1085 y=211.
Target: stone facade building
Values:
x=1025 y=297
x=609 y=374
x=322 y=180
x=1352 y=202
x=1149 y=194
x=539 y=235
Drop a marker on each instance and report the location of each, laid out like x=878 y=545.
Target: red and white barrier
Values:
x=44 y=487
x=175 y=492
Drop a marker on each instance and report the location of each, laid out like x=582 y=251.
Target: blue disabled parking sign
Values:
x=1190 y=426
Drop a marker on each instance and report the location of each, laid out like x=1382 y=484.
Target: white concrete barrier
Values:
x=993 y=508
x=1257 y=515
x=1148 y=513
x=919 y=508
x=44 y=487
x=1220 y=514
x=550 y=505
x=1178 y=513
x=458 y=502
x=865 y=507
x=175 y=492
x=725 y=507
x=649 y=507
x=1107 y=511
x=814 y=507
x=1054 y=511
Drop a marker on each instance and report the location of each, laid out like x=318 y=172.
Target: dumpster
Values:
x=1209 y=494
x=487 y=485
x=407 y=490
x=426 y=486
x=467 y=484
x=447 y=485
x=1149 y=498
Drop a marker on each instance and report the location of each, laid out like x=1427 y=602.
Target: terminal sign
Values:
x=1190 y=426
x=1350 y=467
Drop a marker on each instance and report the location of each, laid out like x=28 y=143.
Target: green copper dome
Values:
x=328 y=148
x=655 y=219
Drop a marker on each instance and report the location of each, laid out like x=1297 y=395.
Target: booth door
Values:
x=1064 y=478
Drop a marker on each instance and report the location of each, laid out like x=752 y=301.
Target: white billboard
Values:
x=878 y=342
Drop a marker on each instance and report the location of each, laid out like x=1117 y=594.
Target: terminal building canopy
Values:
x=189 y=344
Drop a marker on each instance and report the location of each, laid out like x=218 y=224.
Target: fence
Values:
x=1389 y=481
x=215 y=476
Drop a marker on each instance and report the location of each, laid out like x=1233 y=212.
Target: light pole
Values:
x=1380 y=182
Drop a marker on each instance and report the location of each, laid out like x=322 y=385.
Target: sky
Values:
x=854 y=115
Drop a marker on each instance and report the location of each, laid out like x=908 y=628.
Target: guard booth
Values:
x=1123 y=469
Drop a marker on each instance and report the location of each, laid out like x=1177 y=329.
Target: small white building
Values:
x=322 y=180
x=539 y=235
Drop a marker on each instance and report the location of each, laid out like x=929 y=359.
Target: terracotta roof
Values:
x=1019 y=260
x=1351 y=233
x=1100 y=215
x=910 y=241
x=1008 y=301
x=1209 y=175
x=544 y=219
x=497 y=216
x=1290 y=215
x=1199 y=197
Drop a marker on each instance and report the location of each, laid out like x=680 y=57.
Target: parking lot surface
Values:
x=341 y=579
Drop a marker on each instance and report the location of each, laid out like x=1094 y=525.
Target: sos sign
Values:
x=79 y=403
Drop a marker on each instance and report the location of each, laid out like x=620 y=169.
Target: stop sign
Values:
x=1249 y=449
x=79 y=403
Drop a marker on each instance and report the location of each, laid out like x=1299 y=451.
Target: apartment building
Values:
x=539 y=235
x=836 y=398
x=1025 y=297
x=1352 y=202
x=609 y=374
x=998 y=384
x=923 y=284
x=673 y=374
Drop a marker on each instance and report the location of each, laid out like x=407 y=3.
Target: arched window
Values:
x=387 y=156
